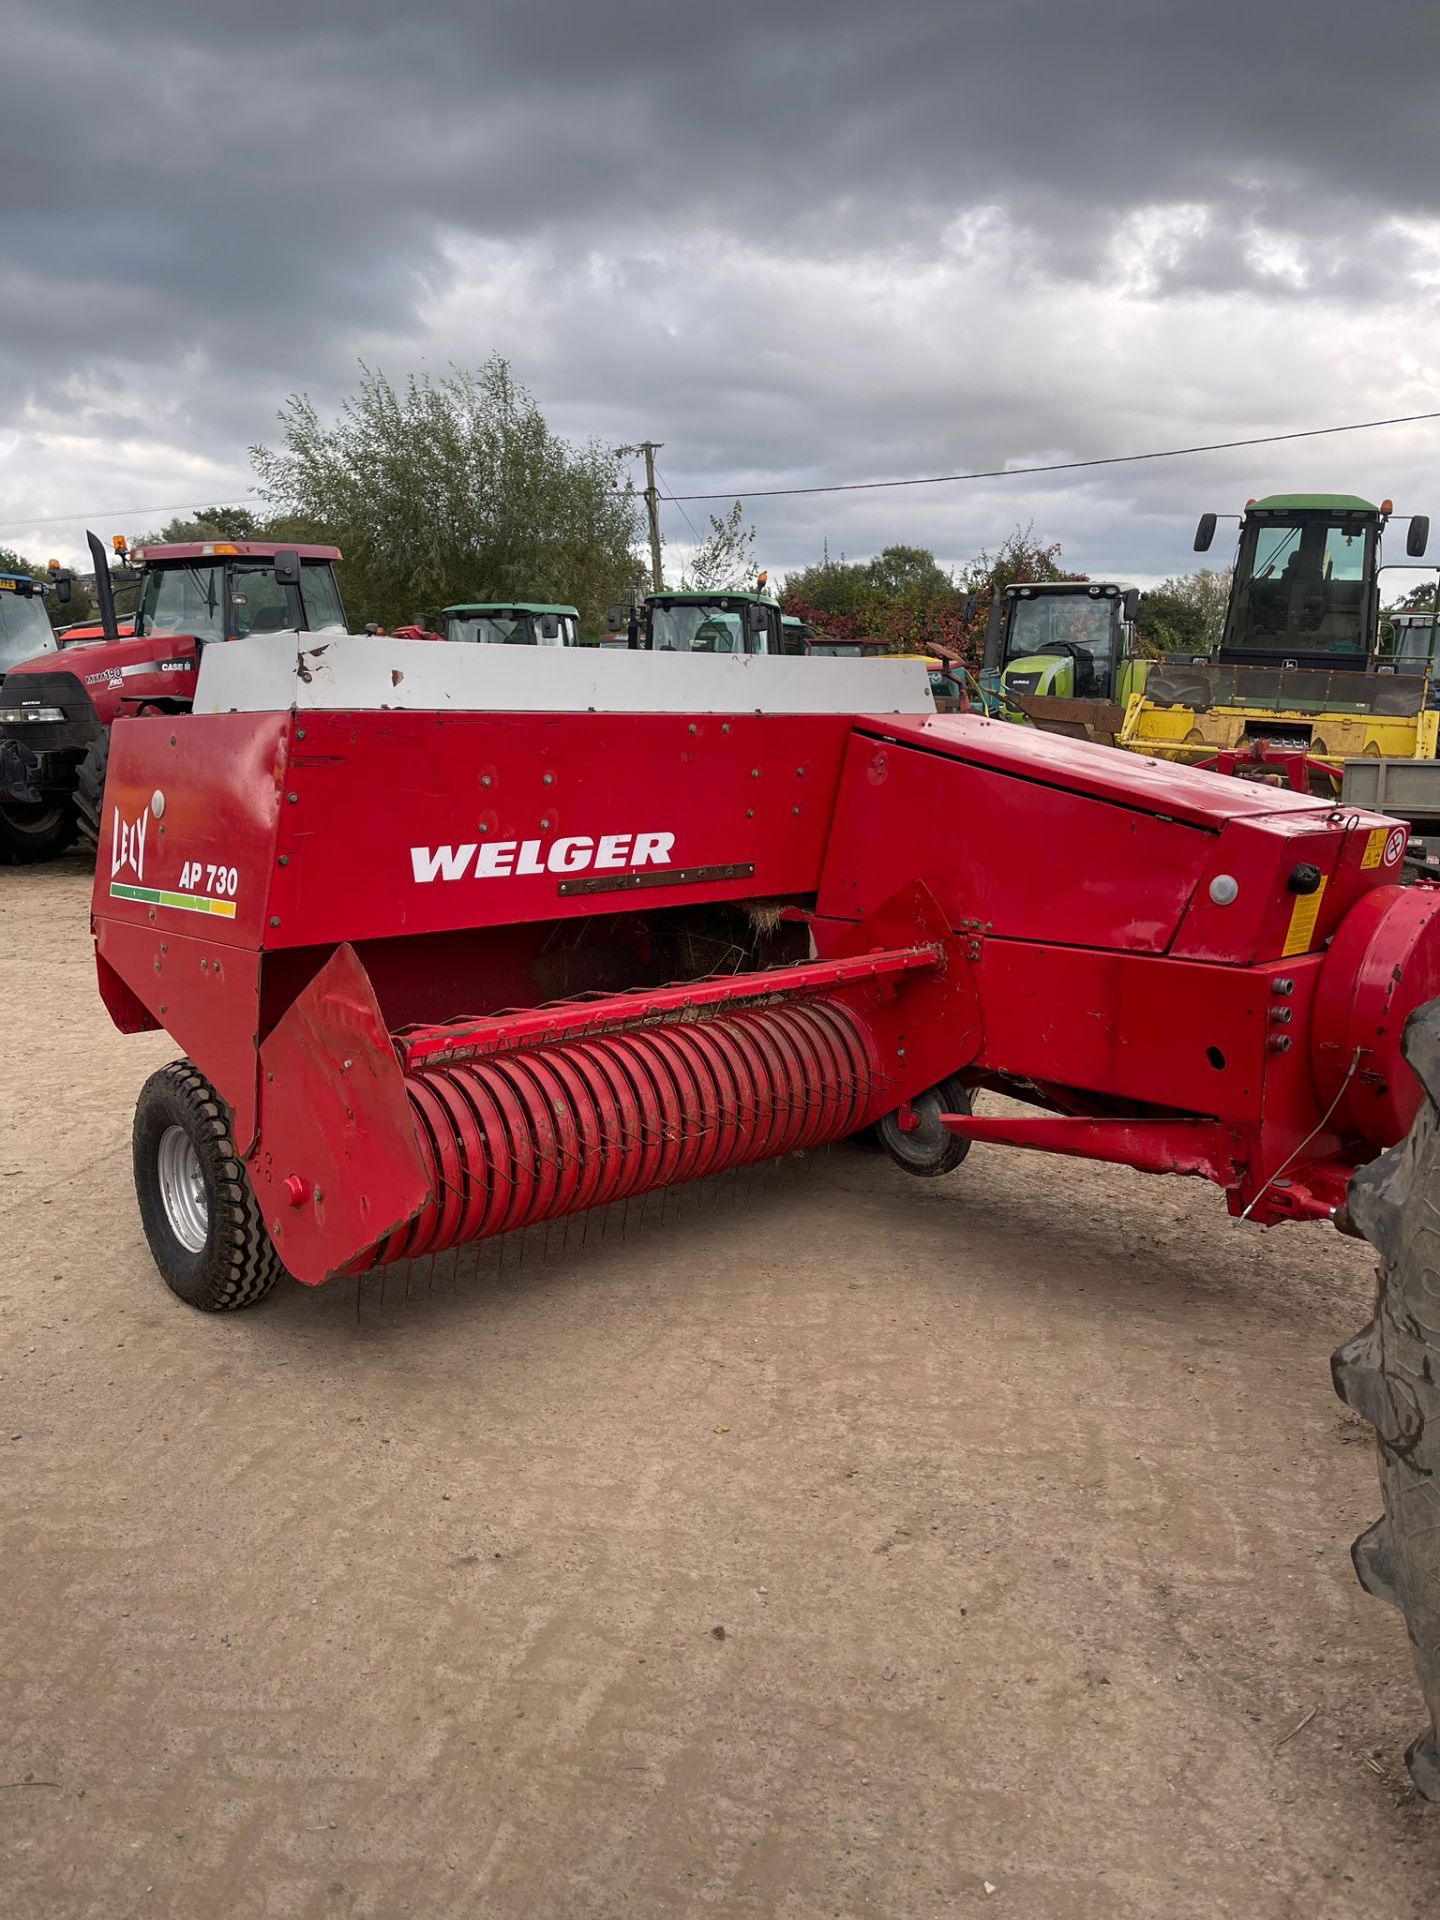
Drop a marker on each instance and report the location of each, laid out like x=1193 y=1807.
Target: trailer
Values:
x=651 y=916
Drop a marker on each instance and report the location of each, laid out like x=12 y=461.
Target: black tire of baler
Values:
x=90 y=789
x=238 y=1264
x=951 y=1096
x=19 y=848
x=1390 y=1374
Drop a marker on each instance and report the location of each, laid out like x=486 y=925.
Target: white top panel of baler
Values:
x=275 y=672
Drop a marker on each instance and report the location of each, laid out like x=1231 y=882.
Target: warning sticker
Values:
x=1305 y=913
x=1384 y=844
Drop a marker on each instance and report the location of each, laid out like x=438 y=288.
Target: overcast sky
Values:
x=797 y=241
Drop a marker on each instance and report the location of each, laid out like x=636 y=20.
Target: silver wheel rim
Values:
x=182 y=1189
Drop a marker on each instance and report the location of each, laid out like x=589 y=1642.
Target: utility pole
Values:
x=652 y=506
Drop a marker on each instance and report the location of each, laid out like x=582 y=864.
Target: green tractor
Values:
x=731 y=620
x=1062 y=654
x=512 y=623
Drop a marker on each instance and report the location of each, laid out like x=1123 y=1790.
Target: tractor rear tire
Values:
x=197 y=1206
x=31 y=834
x=90 y=789
x=929 y=1149
x=1390 y=1373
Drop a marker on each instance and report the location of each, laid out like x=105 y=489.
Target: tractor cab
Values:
x=1300 y=682
x=1414 y=648
x=57 y=708
x=731 y=621
x=1305 y=591
x=1061 y=654
x=24 y=624
x=512 y=623
x=228 y=590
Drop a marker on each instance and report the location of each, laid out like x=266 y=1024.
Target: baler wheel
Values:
x=90 y=789
x=197 y=1206
x=928 y=1149
x=1390 y=1373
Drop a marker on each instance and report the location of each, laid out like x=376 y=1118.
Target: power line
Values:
x=1056 y=466
x=841 y=486
x=675 y=500
x=118 y=513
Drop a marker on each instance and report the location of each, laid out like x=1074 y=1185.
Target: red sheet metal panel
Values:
x=188 y=829
x=1082 y=768
x=413 y=823
x=334 y=1120
x=1014 y=854
x=203 y=993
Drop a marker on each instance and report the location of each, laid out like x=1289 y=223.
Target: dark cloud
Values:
x=824 y=239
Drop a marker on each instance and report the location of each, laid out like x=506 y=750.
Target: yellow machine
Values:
x=1299 y=684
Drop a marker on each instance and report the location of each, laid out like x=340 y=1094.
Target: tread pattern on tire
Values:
x=1390 y=1374
x=252 y=1266
x=90 y=789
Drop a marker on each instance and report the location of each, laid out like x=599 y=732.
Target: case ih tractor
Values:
x=24 y=632
x=651 y=916
x=57 y=709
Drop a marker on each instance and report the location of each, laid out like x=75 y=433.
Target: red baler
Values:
x=458 y=940
x=458 y=950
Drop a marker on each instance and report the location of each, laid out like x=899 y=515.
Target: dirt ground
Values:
x=1022 y=1500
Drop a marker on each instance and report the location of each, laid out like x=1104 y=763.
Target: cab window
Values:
x=188 y=599
x=259 y=603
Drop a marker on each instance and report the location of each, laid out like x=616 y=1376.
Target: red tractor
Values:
x=57 y=708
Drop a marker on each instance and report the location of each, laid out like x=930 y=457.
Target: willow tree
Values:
x=451 y=489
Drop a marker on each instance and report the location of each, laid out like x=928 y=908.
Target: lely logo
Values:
x=573 y=853
x=127 y=844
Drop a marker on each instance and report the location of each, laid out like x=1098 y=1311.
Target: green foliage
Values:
x=1186 y=614
x=1419 y=599
x=726 y=558
x=904 y=596
x=80 y=604
x=452 y=489
x=208 y=523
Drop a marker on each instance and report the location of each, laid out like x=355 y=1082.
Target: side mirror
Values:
x=549 y=627
x=1205 y=532
x=757 y=629
x=615 y=619
x=64 y=586
x=1418 y=537
x=1130 y=606
x=287 y=568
